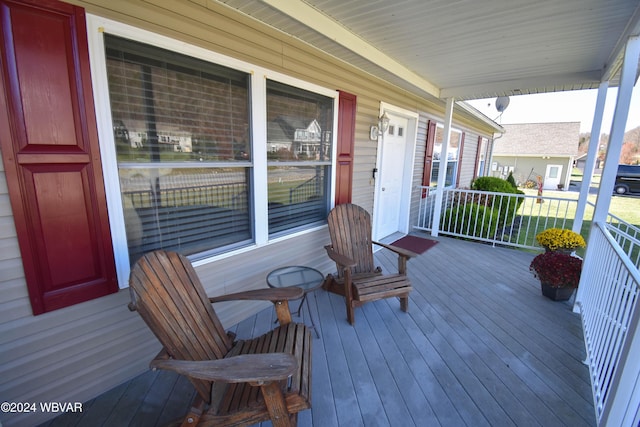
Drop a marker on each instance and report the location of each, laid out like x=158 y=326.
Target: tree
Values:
x=628 y=153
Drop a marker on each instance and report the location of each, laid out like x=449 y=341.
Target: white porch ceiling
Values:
x=467 y=49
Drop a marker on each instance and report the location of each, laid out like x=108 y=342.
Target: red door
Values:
x=51 y=157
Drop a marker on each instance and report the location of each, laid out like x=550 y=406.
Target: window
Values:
x=183 y=147
x=451 y=158
x=483 y=144
x=299 y=135
x=211 y=157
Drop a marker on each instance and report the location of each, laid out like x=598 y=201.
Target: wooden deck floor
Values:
x=480 y=346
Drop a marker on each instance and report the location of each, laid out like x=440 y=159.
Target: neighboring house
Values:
x=530 y=150
x=581 y=161
x=156 y=132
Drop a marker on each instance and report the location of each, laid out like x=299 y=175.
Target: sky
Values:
x=571 y=106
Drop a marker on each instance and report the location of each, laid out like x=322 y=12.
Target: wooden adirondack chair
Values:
x=358 y=279
x=237 y=382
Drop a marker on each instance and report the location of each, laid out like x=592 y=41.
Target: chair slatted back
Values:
x=167 y=293
x=350 y=232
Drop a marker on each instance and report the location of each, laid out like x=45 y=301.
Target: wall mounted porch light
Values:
x=383 y=124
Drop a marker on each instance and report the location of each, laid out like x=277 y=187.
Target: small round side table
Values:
x=307 y=278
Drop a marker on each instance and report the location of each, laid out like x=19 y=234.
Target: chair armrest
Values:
x=246 y=368
x=400 y=251
x=278 y=296
x=269 y=294
x=341 y=260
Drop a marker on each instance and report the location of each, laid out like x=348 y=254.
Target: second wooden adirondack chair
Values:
x=358 y=279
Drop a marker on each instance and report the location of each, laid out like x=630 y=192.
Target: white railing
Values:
x=498 y=218
x=608 y=302
x=627 y=236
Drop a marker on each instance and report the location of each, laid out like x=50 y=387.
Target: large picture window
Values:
x=299 y=135
x=183 y=147
x=211 y=158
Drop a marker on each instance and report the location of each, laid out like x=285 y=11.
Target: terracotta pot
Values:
x=556 y=294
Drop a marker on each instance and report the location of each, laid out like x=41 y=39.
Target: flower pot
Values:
x=556 y=294
x=561 y=250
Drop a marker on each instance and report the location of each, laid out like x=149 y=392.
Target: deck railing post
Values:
x=442 y=169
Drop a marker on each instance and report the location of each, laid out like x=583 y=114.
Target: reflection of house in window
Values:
x=171 y=136
x=292 y=137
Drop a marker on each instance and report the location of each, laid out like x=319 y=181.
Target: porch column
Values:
x=627 y=81
x=442 y=169
x=594 y=142
x=612 y=158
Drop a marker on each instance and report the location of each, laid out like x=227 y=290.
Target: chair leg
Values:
x=348 y=296
x=276 y=405
x=404 y=304
x=293 y=418
x=350 y=312
x=193 y=417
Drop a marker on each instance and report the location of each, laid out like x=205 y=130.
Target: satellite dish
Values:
x=502 y=102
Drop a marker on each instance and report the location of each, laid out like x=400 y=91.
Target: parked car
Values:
x=627 y=179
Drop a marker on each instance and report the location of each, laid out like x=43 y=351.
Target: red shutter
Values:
x=49 y=145
x=475 y=168
x=460 y=151
x=346 y=135
x=428 y=155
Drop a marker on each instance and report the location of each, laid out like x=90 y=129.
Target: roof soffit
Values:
x=450 y=49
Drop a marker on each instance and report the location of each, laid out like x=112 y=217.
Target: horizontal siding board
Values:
x=12 y=289
x=8 y=250
x=55 y=341
x=11 y=268
x=7 y=228
x=469 y=159
x=5 y=205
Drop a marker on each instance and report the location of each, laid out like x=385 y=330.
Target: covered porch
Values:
x=480 y=346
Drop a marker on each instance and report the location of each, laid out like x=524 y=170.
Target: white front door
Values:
x=391 y=176
x=552 y=177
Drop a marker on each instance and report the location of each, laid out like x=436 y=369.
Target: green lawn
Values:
x=626 y=208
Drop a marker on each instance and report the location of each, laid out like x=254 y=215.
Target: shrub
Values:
x=511 y=180
x=493 y=184
x=471 y=219
x=508 y=206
